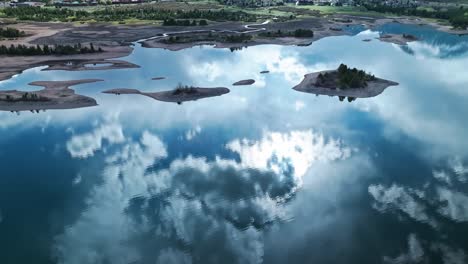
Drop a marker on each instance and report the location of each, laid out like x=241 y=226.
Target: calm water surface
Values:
x=263 y=174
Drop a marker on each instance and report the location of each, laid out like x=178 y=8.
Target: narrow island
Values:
x=55 y=95
x=182 y=93
x=343 y=82
x=244 y=82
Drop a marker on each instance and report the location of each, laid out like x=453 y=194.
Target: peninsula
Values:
x=55 y=95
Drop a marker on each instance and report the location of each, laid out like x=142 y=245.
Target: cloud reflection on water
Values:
x=209 y=210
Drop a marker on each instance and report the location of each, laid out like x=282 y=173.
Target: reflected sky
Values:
x=263 y=174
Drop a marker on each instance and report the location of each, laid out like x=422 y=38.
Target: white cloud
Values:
x=98 y=234
x=190 y=134
x=300 y=149
x=299 y=105
x=85 y=145
x=442 y=176
x=211 y=206
x=77 y=179
x=456 y=204
x=459 y=169
x=401 y=199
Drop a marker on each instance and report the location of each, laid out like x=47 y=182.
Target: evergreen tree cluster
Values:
x=234 y=38
x=23 y=50
x=185 y=23
x=344 y=78
x=30 y=97
x=298 y=33
x=237 y=38
x=11 y=33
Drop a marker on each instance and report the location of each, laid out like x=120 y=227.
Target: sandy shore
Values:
x=195 y=93
x=55 y=95
x=374 y=88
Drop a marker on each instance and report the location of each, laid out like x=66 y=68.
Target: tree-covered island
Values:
x=344 y=78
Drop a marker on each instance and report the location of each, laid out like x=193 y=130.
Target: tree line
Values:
x=23 y=50
x=185 y=23
x=32 y=97
x=11 y=33
x=122 y=13
x=298 y=33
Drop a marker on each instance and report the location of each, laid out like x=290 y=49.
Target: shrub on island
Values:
x=344 y=78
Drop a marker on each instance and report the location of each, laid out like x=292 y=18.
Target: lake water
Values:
x=263 y=174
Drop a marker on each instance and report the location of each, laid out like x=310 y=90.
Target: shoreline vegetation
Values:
x=298 y=33
x=10 y=33
x=343 y=82
x=38 y=50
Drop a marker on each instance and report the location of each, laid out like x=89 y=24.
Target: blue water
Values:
x=263 y=174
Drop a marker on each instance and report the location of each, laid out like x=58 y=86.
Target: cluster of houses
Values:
x=14 y=3
x=94 y=2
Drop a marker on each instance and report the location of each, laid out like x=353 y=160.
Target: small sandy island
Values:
x=178 y=95
x=55 y=95
x=244 y=82
x=399 y=39
x=329 y=83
